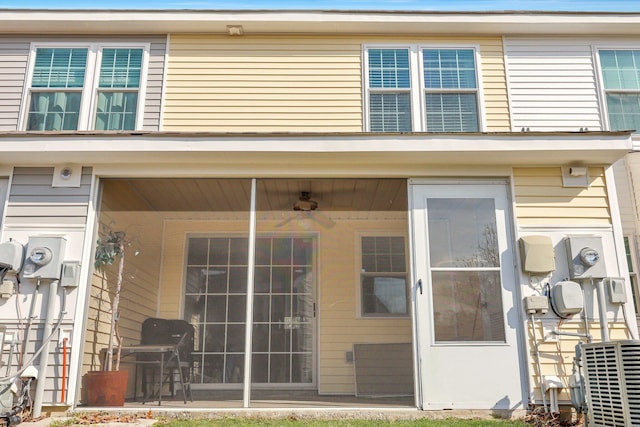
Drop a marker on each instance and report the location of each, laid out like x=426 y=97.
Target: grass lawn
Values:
x=267 y=422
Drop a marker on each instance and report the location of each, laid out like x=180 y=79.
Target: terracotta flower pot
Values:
x=106 y=388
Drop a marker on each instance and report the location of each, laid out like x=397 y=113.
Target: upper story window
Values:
x=447 y=98
x=621 y=81
x=85 y=88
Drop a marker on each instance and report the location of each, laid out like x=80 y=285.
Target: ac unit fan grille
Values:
x=612 y=380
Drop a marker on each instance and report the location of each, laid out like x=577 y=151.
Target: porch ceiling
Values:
x=232 y=195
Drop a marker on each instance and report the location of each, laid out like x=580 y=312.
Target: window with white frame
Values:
x=621 y=83
x=87 y=87
x=383 y=276
x=447 y=78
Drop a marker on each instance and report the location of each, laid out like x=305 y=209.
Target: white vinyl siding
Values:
x=552 y=84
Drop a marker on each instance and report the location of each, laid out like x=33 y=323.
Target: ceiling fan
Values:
x=305 y=203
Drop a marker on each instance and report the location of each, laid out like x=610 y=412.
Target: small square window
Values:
x=383 y=276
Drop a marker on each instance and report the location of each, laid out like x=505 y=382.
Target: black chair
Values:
x=177 y=364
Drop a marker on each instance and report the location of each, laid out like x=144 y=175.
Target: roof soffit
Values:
x=317 y=22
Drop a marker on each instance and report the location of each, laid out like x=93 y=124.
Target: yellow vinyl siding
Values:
x=541 y=200
x=306 y=84
x=140 y=286
x=263 y=84
x=556 y=358
x=337 y=283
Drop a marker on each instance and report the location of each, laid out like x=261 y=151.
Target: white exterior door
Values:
x=467 y=304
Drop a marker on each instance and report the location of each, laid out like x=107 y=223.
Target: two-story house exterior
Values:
x=334 y=200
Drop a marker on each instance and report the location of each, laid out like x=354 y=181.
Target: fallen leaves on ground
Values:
x=103 y=417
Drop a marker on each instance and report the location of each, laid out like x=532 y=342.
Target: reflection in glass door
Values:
x=283 y=311
x=215 y=303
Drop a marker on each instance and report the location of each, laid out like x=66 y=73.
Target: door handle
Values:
x=419 y=285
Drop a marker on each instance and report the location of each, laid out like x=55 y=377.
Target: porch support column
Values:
x=248 y=332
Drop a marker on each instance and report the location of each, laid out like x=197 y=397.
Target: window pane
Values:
x=624 y=111
x=452 y=112
x=468 y=306
x=120 y=68
x=620 y=69
x=390 y=112
x=384 y=294
x=54 y=111
x=449 y=69
x=198 y=250
x=462 y=233
x=116 y=111
x=59 y=68
x=389 y=68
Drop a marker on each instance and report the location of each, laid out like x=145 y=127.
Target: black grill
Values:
x=168 y=331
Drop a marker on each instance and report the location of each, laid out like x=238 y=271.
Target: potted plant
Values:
x=108 y=387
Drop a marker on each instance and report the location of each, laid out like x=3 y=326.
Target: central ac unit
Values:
x=612 y=383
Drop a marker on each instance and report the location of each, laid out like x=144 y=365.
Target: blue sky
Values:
x=442 y=5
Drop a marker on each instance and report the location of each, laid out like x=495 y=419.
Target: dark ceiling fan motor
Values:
x=304 y=203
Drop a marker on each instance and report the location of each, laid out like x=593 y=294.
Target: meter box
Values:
x=537 y=255
x=585 y=257
x=43 y=257
x=566 y=297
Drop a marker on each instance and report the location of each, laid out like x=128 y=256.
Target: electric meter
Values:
x=589 y=256
x=585 y=256
x=40 y=256
x=44 y=257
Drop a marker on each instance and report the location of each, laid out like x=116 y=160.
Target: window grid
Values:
x=215 y=303
x=448 y=81
x=389 y=90
x=621 y=80
x=61 y=95
x=383 y=276
x=450 y=87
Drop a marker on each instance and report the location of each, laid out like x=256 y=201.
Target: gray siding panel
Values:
x=53 y=379
x=32 y=199
x=13 y=66
x=14 y=53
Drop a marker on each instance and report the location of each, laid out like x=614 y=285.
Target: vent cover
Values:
x=612 y=381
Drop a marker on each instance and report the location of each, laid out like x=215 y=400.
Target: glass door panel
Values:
x=283 y=311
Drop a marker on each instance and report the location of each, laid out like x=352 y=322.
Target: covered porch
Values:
x=324 y=268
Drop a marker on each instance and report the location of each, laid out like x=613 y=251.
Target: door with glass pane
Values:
x=283 y=322
x=467 y=307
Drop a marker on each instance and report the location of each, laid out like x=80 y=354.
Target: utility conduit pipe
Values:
x=64 y=370
x=602 y=311
x=44 y=356
x=539 y=365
